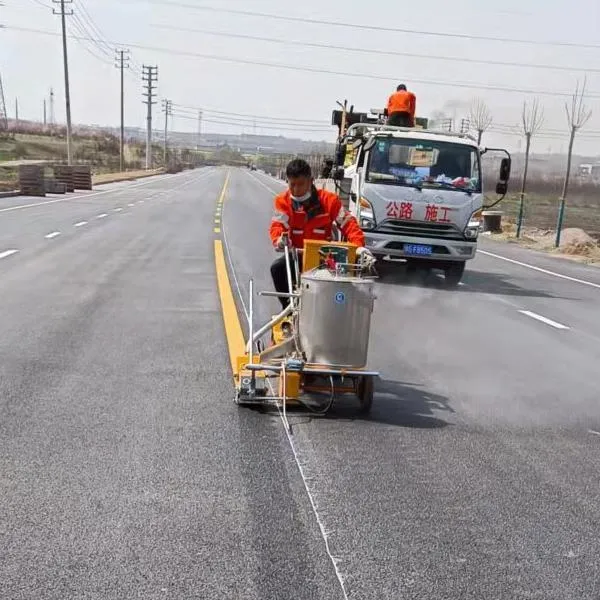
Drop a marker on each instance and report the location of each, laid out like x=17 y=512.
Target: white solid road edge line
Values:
x=543 y=319
x=123 y=187
x=7 y=253
x=528 y=266
x=325 y=533
x=52 y=235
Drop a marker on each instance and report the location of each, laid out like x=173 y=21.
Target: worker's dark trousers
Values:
x=279 y=275
x=399 y=119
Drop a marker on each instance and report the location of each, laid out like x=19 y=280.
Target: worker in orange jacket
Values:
x=401 y=108
x=304 y=212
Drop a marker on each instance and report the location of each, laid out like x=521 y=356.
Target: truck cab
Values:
x=417 y=194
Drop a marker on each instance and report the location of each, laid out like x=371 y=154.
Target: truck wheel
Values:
x=365 y=394
x=453 y=273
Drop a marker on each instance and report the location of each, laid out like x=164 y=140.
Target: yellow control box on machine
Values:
x=312 y=257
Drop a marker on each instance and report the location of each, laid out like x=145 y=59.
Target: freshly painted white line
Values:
x=101 y=216
x=142 y=202
x=272 y=191
x=131 y=204
x=7 y=253
x=80 y=224
x=325 y=533
x=117 y=209
x=52 y=235
x=543 y=319
x=545 y=271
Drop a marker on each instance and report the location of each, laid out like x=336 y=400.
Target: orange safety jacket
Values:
x=314 y=220
x=402 y=101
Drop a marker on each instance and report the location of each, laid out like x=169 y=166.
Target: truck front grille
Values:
x=420 y=229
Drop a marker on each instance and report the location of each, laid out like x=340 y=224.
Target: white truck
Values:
x=417 y=193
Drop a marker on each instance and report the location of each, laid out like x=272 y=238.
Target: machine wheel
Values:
x=453 y=273
x=365 y=394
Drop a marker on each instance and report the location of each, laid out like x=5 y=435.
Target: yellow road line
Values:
x=222 y=195
x=233 y=327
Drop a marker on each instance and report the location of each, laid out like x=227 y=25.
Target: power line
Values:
x=448 y=84
x=90 y=31
x=251 y=116
x=233 y=123
x=375 y=51
x=94 y=28
x=262 y=15
x=80 y=28
x=254 y=118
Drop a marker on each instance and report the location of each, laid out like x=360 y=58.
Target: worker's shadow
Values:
x=400 y=404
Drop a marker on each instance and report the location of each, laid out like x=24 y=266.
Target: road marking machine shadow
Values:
x=319 y=343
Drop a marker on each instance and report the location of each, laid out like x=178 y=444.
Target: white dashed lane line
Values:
x=102 y=216
x=542 y=319
x=117 y=209
x=540 y=270
x=7 y=253
x=80 y=224
x=52 y=235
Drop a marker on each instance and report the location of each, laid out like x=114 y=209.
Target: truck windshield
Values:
x=424 y=163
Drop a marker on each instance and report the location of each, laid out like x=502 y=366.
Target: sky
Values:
x=296 y=99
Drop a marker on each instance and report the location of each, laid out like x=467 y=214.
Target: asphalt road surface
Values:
x=126 y=471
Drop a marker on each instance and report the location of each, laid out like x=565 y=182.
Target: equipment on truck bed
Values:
x=319 y=342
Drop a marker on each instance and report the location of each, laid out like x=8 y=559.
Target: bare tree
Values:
x=577 y=116
x=480 y=117
x=532 y=119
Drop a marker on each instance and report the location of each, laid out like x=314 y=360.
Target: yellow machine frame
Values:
x=292 y=384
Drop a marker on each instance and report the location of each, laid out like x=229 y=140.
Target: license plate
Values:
x=417 y=250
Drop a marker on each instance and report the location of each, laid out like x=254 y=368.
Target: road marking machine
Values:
x=319 y=342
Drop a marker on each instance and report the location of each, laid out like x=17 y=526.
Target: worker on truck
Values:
x=304 y=212
x=401 y=108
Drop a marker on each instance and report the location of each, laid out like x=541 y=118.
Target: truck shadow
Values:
x=400 y=404
x=473 y=281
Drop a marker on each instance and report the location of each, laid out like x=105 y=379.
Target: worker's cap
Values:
x=401 y=87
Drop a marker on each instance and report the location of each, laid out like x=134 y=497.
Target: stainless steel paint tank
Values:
x=335 y=318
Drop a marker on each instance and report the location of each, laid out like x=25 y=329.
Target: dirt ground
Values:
x=126 y=176
x=576 y=244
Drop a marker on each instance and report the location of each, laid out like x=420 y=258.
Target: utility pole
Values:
x=64 y=14
x=51 y=107
x=122 y=64
x=3 y=115
x=16 y=112
x=168 y=110
x=45 y=119
x=150 y=77
x=199 y=129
